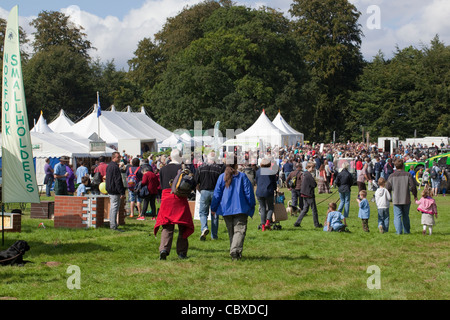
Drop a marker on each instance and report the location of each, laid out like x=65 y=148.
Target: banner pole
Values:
x=3 y=224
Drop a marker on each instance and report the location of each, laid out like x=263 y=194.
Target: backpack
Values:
x=132 y=179
x=183 y=184
x=433 y=174
x=293 y=182
x=97 y=179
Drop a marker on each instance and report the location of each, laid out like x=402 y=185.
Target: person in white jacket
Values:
x=382 y=199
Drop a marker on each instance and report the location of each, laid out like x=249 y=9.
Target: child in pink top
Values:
x=428 y=208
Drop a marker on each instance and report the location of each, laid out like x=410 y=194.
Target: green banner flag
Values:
x=18 y=172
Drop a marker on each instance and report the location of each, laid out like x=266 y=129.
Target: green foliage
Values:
x=330 y=33
x=405 y=95
x=56 y=79
x=246 y=60
x=55 y=29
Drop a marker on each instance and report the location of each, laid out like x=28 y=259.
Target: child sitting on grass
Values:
x=428 y=208
x=364 y=209
x=334 y=219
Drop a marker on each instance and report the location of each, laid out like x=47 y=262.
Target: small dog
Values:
x=14 y=255
x=293 y=211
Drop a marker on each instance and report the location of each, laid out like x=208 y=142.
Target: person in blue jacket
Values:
x=266 y=184
x=234 y=199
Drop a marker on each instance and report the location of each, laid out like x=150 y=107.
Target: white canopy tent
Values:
x=62 y=123
x=265 y=131
x=49 y=144
x=142 y=116
x=41 y=125
x=123 y=130
x=293 y=134
x=173 y=142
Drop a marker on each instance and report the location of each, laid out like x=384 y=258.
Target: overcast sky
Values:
x=115 y=27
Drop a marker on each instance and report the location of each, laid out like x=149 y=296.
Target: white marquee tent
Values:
x=293 y=134
x=62 y=123
x=265 y=131
x=173 y=142
x=129 y=131
x=53 y=145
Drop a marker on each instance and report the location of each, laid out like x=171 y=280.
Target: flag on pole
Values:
x=99 y=108
x=19 y=176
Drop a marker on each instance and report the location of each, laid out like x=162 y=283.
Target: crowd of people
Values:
x=230 y=187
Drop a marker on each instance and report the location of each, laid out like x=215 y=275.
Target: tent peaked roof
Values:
x=263 y=126
x=110 y=131
x=121 y=125
x=41 y=126
x=264 y=130
x=279 y=122
x=62 y=123
x=144 y=117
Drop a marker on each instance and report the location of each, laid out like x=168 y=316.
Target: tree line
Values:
x=218 y=61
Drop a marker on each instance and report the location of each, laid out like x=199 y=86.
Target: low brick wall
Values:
x=13 y=222
x=42 y=210
x=90 y=211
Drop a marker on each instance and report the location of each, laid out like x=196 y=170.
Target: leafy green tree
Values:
x=55 y=79
x=113 y=85
x=329 y=32
x=404 y=96
x=55 y=29
x=247 y=60
x=147 y=65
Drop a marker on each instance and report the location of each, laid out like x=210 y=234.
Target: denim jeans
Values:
x=205 y=204
x=401 y=218
x=383 y=218
x=297 y=200
x=48 y=187
x=344 y=203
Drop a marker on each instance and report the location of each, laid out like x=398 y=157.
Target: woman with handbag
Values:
x=148 y=191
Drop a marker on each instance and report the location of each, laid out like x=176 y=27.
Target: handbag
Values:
x=279 y=212
x=142 y=190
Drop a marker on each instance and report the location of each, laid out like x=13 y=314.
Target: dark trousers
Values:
x=61 y=187
x=297 y=199
x=149 y=199
x=308 y=202
x=167 y=238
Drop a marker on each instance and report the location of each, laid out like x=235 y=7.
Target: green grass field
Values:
x=289 y=264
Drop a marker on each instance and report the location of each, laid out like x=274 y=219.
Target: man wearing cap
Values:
x=206 y=177
x=60 y=175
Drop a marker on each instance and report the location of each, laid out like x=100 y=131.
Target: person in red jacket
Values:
x=151 y=181
x=174 y=210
